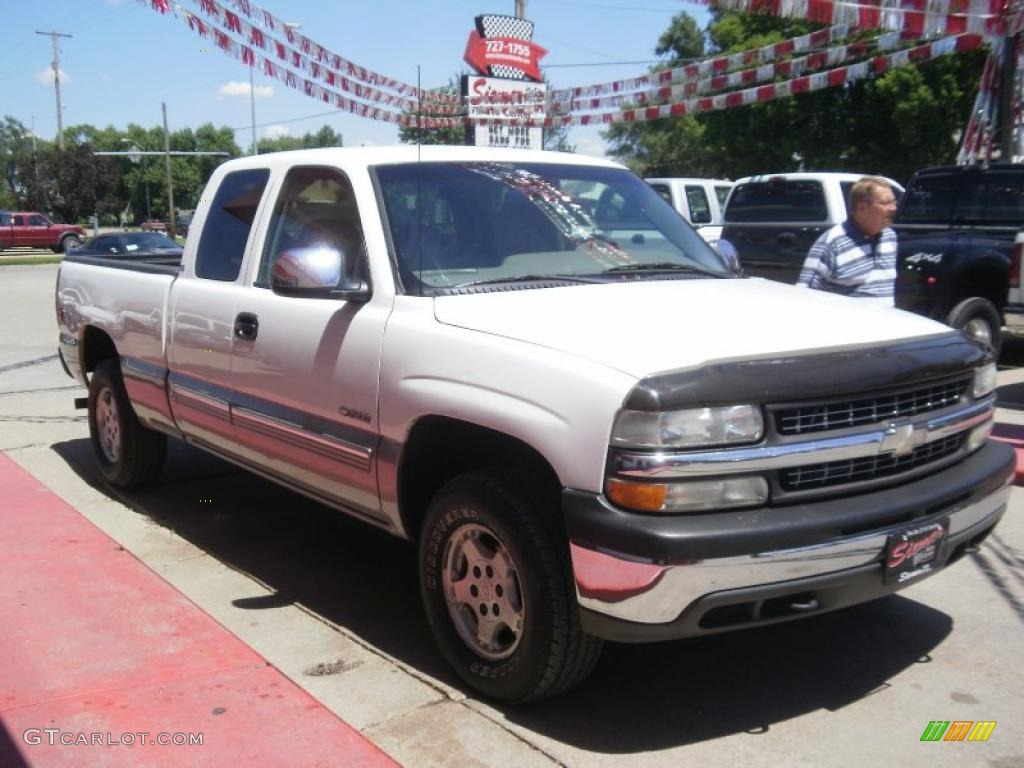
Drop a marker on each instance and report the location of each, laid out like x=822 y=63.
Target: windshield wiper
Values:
x=661 y=266
x=527 y=279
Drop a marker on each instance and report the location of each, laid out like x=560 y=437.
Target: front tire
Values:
x=498 y=589
x=128 y=453
x=978 y=319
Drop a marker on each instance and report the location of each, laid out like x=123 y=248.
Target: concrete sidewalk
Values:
x=106 y=664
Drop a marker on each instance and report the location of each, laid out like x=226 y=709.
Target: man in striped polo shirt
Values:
x=858 y=257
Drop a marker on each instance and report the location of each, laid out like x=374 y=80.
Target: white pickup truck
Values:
x=592 y=432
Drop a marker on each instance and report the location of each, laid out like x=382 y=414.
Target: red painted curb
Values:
x=96 y=650
x=1014 y=435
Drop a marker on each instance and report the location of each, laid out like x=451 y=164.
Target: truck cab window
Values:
x=316 y=206
x=222 y=245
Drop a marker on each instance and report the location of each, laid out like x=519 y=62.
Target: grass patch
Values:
x=23 y=260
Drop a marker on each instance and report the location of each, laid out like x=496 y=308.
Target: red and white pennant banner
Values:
x=977 y=142
x=920 y=18
x=800 y=65
x=828 y=79
x=314 y=90
x=711 y=67
x=318 y=62
x=268 y=21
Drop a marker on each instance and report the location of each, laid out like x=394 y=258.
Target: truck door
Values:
x=21 y=234
x=203 y=321
x=37 y=234
x=305 y=405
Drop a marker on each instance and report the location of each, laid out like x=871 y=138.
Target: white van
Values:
x=699 y=201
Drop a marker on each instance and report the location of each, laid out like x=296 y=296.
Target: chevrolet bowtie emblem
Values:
x=902 y=438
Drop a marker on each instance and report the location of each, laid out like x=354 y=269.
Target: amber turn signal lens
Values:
x=645 y=497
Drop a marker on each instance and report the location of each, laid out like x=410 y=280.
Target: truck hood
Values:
x=648 y=327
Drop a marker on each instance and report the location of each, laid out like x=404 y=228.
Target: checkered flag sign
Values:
x=493 y=25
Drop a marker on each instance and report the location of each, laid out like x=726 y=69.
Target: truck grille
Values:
x=841 y=414
x=867 y=468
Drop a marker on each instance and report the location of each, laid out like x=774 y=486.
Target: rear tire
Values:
x=498 y=589
x=70 y=242
x=128 y=453
x=979 y=320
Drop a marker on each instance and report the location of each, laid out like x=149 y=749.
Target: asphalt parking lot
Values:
x=334 y=605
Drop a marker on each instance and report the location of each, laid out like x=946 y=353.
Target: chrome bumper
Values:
x=648 y=593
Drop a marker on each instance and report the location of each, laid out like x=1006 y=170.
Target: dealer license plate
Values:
x=911 y=554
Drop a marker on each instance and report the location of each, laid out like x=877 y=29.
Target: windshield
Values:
x=459 y=224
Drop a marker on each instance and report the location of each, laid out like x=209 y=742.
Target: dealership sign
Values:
x=510 y=89
x=505 y=105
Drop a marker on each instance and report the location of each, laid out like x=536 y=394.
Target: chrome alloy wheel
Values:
x=108 y=425
x=483 y=593
x=979 y=330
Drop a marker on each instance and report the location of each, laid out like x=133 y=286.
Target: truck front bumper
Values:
x=644 y=577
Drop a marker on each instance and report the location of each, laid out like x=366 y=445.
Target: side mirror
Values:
x=729 y=255
x=316 y=272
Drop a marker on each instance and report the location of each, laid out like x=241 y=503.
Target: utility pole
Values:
x=56 y=83
x=170 y=186
x=252 y=107
x=521 y=9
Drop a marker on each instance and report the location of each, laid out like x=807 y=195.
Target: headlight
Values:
x=692 y=428
x=984 y=380
x=690 y=495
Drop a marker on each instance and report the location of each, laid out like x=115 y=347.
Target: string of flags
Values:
x=814 y=61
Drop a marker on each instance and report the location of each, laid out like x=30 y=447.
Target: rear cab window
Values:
x=777 y=200
x=228 y=223
x=993 y=198
x=929 y=201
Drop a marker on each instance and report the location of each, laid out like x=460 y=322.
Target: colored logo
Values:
x=958 y=730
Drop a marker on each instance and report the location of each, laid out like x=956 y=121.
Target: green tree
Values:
x=16 y=161
x=325 y=137
x=74 y=184
x=666 y=147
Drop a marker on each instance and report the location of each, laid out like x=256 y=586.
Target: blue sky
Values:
x=124 y=59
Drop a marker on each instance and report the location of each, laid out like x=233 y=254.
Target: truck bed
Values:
x=163 y=265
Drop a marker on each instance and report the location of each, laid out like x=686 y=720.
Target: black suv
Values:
x=959 y=256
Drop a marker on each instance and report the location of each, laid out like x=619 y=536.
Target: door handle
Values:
x=786 y=238
x=247 y=325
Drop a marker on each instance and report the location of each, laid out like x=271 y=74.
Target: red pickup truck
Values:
x=28 y=229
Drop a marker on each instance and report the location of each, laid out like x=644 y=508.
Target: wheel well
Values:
x=986 y=282
x=440 y=448
x=96 y=346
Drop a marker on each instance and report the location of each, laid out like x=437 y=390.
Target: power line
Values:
x=604 y=63
x=605 y=7
x=293 y=120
